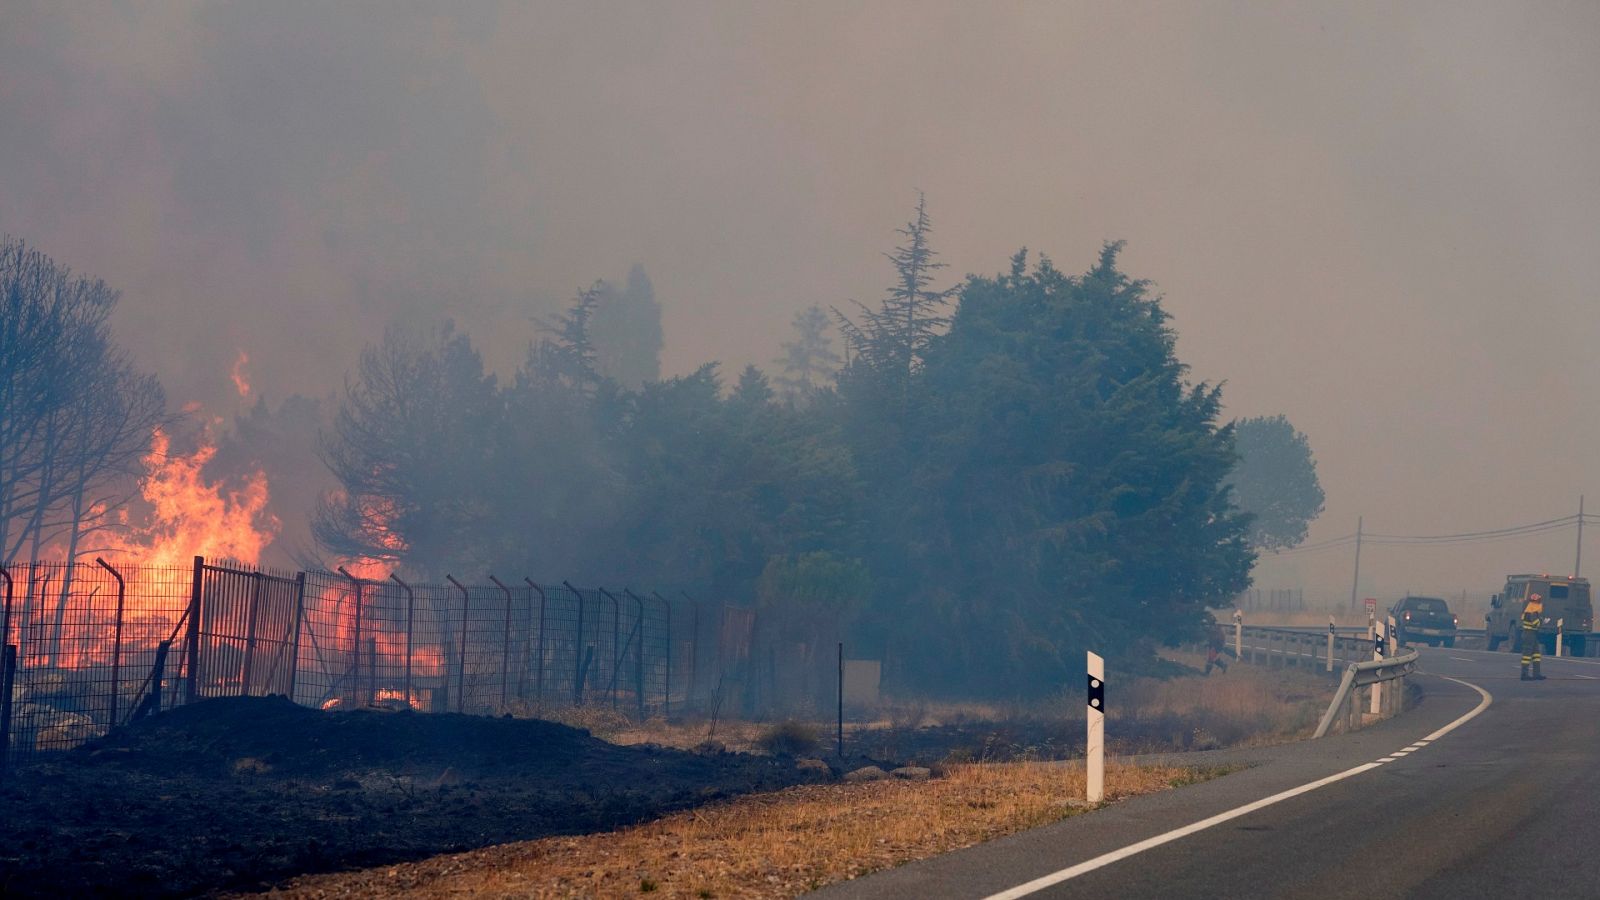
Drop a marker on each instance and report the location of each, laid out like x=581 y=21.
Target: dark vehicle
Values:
x=1566 y=601
x=1424 y=620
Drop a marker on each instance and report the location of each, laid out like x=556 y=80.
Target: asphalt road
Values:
x=1504 y=804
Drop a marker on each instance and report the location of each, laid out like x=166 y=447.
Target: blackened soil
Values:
x=229 y=794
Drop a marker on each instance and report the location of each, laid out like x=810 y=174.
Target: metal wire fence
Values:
x=90 y=647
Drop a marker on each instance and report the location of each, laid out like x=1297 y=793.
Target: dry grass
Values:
x=1245 y=706
x=772 y=845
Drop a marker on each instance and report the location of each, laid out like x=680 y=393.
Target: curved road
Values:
x=1503 y=801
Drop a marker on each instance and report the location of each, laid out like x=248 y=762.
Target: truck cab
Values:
x=1566 y=600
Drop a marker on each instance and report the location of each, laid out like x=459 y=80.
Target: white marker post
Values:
x=1560 y=627
x=1095 y=752
x=1238 y=635
x=1379 y=639
x=1330 y=643
x=1393 y=635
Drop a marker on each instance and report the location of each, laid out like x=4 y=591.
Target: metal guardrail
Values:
x=1372 y=672
x=1350 y=648
x=1300 y=647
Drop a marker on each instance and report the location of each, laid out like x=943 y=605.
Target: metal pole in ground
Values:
x=1238 y=635
x=505 y=649
x=8 y=679
x=1560 y=627
x=461 y=664
x=694 y=648
x=577 y=650
x=538 y=689
x=411 y=612
x=1095 y=750
x=299 y=616
x=116 y=644
x=666 y=693
x=355 y=666
x=839 y=735
x=191 y=688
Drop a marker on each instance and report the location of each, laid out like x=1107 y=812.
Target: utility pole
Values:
x=1577 y=565
x=1355 y=583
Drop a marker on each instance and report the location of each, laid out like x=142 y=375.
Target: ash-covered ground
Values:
x=230 y=794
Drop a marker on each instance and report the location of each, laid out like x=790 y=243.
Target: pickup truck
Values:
x=1424 y=620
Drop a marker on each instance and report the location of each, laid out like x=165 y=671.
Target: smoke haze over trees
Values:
x=1009 y=470
x=1276 y=481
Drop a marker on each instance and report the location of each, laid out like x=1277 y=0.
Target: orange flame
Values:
x=192 y=518
x=241 y=381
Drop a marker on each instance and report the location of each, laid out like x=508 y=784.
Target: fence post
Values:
x=191 y=689
x=5 y=617
x=538 y=690
x=694 y=648
x=616 y=642
x=638 y=655
x=158 y=674
x=294 y=645
x=839 y=735
x=411 y=610
x=505 y=650
x=666 y=692
x=116 y=646
x=461 y=664
x=250 y=635
x=578 y=663
x=355 y=665
x=8 y=680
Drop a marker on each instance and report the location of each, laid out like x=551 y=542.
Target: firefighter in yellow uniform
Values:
x=1532 y=617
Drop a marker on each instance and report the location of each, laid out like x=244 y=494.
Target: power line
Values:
x=1531 y=529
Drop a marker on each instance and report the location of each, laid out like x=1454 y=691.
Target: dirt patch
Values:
x=239 y=793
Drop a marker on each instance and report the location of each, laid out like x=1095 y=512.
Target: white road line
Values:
x=1576 y=660
x=1387 y=759
x=1461 y=658
x=1106 y=859
x=1581 y=675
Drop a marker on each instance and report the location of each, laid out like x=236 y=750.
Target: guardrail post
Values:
x=1379 y=641
x=1238 y=634
x=1330 y=643
x=1095 y=748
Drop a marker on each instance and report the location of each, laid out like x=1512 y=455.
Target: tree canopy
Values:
x=1275 y=481
x=1008 y=470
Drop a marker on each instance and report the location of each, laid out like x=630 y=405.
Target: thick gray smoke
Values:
x=1379 y=220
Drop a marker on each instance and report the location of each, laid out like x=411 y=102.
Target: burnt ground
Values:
x=232 y=794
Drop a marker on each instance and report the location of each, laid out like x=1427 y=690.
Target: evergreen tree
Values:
x=1070 y=490
x=809 y=361
x=889 y=343
x=626 y=330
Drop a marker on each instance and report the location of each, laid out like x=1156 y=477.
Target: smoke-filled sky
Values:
x=1382 y=220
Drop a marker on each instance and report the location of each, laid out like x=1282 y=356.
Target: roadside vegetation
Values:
x=773 y=845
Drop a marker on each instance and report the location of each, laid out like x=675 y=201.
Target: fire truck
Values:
x=1566 y=600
